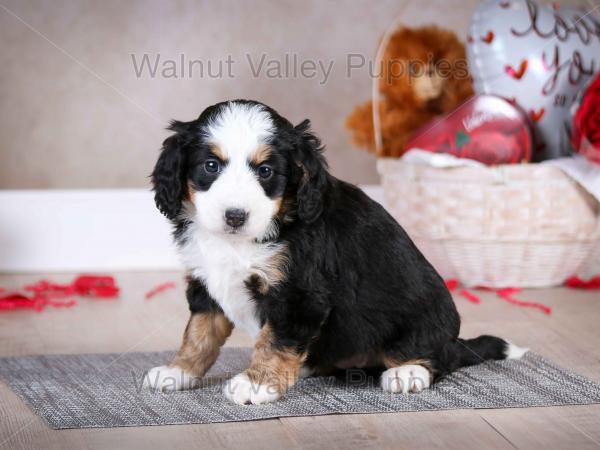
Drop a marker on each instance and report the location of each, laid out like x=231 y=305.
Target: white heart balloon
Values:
x=538 y=56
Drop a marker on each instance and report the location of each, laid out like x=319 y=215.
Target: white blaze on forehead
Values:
x=240 y=129
x=240 y=132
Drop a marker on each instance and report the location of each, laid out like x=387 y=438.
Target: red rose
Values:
x=586 y=124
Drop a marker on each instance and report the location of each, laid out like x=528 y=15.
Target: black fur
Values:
x=199 y=300
x=313 y=180
x=169 y=177
x=356 y=283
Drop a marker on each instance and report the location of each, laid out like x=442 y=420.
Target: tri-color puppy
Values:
x=317 y=273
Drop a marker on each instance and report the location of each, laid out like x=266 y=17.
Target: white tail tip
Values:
x=514 y=352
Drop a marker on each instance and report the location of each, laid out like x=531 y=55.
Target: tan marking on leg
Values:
x=277 y=367
x=203 y=338
x=261 y=154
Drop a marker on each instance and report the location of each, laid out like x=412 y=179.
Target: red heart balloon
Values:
x=486 y=128
x=542 y=54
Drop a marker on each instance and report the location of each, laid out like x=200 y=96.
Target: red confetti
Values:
x=160 y=288
x=45 y=293
x=485 y=288
x=96 y=286
x=451 y=284
x=507 y=295
x=470 y=296
x=18 y=301
x=62 y=304
x=84 y=285
x=507 y=292
x=578 y=283
x=48 y=289
x=37 y=302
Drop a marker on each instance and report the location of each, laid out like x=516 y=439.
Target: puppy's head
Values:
x=240 y=169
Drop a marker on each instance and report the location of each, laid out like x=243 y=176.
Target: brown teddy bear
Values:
x=424 y=74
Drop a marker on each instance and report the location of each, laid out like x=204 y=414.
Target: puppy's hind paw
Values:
x=405 y=379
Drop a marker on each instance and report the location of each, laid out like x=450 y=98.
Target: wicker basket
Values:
x=524 y=225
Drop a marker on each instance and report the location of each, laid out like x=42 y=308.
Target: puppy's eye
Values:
x=265 y=172
x=212 y=166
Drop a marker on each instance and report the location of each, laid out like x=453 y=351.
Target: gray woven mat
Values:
x=104 y=390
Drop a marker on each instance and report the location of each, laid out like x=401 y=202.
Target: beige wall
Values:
x=74 y=114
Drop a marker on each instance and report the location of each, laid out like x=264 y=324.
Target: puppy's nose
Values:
x=235 y=217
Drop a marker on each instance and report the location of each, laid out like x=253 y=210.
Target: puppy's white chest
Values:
x=224 y=266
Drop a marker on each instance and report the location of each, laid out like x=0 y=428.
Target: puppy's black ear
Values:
x=169 y=174
x=313 y=173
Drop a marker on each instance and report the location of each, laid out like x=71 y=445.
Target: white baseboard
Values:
x=79 y=231
x=87 y=231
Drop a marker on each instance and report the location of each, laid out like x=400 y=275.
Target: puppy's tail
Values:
x=468 y=352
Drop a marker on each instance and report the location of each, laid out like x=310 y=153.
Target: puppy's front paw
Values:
x=241 y=390
x=170 y=378
x=408 y=378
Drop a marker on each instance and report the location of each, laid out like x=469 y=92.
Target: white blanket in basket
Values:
x=577 y=167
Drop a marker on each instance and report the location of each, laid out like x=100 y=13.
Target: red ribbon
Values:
x=36 y=302
x=160 y=288
x=470 y=296
x=505 y=294
x=451 y=284
x=45 y=293
x=578 y=283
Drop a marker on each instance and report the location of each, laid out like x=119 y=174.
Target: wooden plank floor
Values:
x=570 y=337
